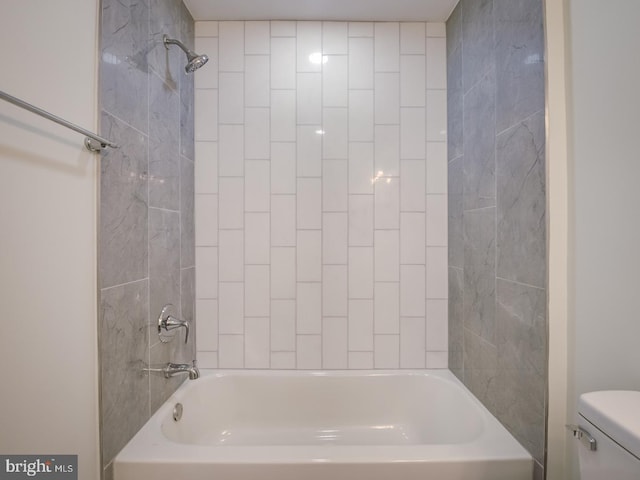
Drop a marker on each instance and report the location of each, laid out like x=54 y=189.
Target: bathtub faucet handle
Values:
x=169 y=322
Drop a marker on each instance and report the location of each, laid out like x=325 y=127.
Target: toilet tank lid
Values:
x=616 y=413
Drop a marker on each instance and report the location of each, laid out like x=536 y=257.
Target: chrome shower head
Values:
x=194 y=61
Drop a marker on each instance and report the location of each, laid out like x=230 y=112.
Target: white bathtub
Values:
x=292 y=425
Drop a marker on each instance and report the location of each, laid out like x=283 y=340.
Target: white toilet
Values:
x=609 y=434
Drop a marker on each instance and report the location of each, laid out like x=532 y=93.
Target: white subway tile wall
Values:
x=321 y=195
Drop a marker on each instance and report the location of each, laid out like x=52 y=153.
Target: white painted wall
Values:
x=48 y=343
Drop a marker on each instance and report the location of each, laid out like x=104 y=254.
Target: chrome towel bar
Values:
x=93 y=142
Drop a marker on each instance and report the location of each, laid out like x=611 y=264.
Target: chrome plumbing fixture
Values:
x=167 y=322
x=194 y=61
x=173 y=369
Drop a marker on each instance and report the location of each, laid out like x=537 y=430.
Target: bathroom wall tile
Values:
x=309 y=352
x=188 y=308
x=257 y=245
x=387 y=203
x=455 y=95
x=412 y=342
x=412 y=133
x=283 y=272
x=257 y=293
x=231 y=353
x=309 y=46
x=519 y=40
x=456 y=321
x=164 y=174
x=412 y=238
x=257 y=38
x=207 y=272
x=309 y=151
x=187 y=224
x=479 y=144
x=361 y=29
x=360 y=325
x=437 y=325
x=481 y=369
x=207 y=315
x=412 y=80
x=283 y=325
x=335 y=137
x=107 y=473
x=335 y=231
x=387 y=351
x=256 y=343
x=231 y=305
x=206 y=29
x=160 y=388
x=206 y=115
x=387 y=46
x=206 y=219
x=436 y=167
x=256 y=135
x=479 y=272
x=360 y=360
x=436 y=29
x=387 y=98
x=361 y=63
x=164 y=260
x=361 y=209
x=334 y=38
x=207 y=77
x=361 y=108
x=283 y=115
x=436 y=63
x=387 y=307
x=281 y=28
x=208 y=359
x=124 y=349
x=231 y=203
x=437 y=360
x=283 y=220
x=187 y=117
x=436 y=265
x=387 y=255
x=257 y=186
x=360 y=167
x=283 y=168
x=231 y=145
x=309 y=99
x=231 y=98
x=412 y=38
x=283 y=63
x=412 y=291
x=387 y=151
x=309 y=256
x=520 y=172
x=360 y=272
x=123 y=206
x=437 y=115
x=413 y=186
x=478 y=40
x=455 y=213
x=257 y=81
x=206 y=167
x=309 y=203
x=335 y=187
x=437 y=220
x=309 y=308
x=231 y=46
x=334 y=343
x=334 y=290
x=163 y=111
x=283 y=360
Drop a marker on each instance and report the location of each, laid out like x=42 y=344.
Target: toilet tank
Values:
x=612 y=419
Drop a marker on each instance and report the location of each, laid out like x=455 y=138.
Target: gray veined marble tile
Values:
x=456 y=322
x=455 y=97
x=481 y=369
x=164 y=19
x=479 y=272
x=164 y=111
x=519 y=60
x=123 y=205
x=164 y=175
x=187 y=200
x=477 y=40
x=188 y=352
x=479 y=144
x=454 y=30
x=160 y=388
x=187 y=108
x=455 y=213
x=123 y=62
x=522 y=372
x=124 y=352
x=521 y=243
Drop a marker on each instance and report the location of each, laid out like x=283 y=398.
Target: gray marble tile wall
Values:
x=497 y=229
x=146 y=235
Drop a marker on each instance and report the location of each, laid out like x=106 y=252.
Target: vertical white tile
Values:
x=334 y=290
x=257 y=81
x=256 y=38
x=412 y=291
x=361 y=325
x=309 y=352
x=334 y=343
x=206 y=115
x=387 y=98
x=257 y=186
x=283 y=168
x=334 y=38
x=361 y=220
x=412 y=133
x=283 y=325
x=309 y=151
x=361 y=115
x=309 y=308
x=206 y=167
x=437 y=221
x=360 y=272
x=437 y=272
x=283 y=115
x=256 y=343
x=207 y=315
x=412 y=37
x=387 y=351
x=207 y=272
x=231 y=203
x=309 y=99
x=412 y=238
x=361 y=63
x=309 y=203
x=436 y=167
x=361 y=360
x=361 y=167
x=283 y=28
x=387 y=255
x=231 y=100
x=335 y=186
x=412 y=80
x=208 y=77
x=283 y=272
x=386 y=307
x=231 y=354
x=387 y=194
x=256 y=286
x=206 y=29
x=309 y=46
x=231 y=256
x=436 y=29
x=437 y=360
x=387 y=150
x=207 y=359
x=231 y=305
x=437 y=115
x=257 y=243
x=231 y=161
x=361 y=29
x=387 y=46
x=283 y=360
x=231 y=46
x=412 y=346
x=437 y=63
x=334 y=238
x=256 y=133
x=437 y=325
x=206 y=220
x=335 y=137
x=413 y=191
x=283 y=63
x=335 y=81
x=309 y=255
x=283 y=220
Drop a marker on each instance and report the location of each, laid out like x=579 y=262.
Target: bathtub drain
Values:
x=177 y=412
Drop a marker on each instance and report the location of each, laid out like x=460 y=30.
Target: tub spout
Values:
x=173 y=369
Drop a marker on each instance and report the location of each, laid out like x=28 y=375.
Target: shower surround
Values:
x=321 y=224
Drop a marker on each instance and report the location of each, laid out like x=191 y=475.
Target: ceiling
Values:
x=351 y=10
